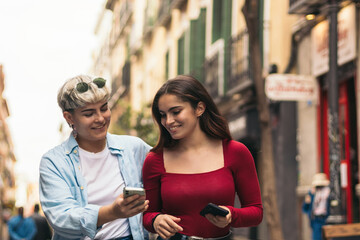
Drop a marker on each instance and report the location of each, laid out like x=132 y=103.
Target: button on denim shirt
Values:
x=63 y=189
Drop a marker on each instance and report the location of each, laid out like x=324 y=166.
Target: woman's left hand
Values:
x=220 y=221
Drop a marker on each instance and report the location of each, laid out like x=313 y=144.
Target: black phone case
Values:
x=214 y=210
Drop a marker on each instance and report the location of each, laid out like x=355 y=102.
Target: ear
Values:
x=200 y=109
x=68 y=117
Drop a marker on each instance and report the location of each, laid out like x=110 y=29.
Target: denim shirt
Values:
x=63 y=189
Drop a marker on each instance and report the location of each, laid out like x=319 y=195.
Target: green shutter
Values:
x=226 y=35
x=181 y=55
x=197 y=45
x=226 y=19
x=167 y=65
x=217 y=20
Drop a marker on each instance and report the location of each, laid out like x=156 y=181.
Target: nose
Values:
x=99 y=117
x=169 y=119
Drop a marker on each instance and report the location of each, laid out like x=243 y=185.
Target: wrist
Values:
x=153 y=220
x=106 y=214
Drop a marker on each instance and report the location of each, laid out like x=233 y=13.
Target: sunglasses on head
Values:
x=82 y=87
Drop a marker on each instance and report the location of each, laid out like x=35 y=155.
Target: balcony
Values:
x=120 y=85
x=121 y=20
x=305 y=6
x=151 y=13
x=238 y=69
x=212 y=75
x=164 y=14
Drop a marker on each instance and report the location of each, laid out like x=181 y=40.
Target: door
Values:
x=347 y=141
x=344 y=139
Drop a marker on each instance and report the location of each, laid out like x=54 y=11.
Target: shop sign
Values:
x=291 y=87
x=346 y=41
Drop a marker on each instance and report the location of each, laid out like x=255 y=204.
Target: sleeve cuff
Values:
x=89 y=220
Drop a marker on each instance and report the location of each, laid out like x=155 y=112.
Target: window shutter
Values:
x=181 y=55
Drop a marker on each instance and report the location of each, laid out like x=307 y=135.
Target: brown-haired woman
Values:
x=194 y=163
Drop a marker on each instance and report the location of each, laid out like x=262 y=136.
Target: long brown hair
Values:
x=188 y=89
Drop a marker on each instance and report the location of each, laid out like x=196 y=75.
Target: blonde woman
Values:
x=81 y=180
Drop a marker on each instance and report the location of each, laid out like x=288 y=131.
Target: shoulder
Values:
x=154 y=157
x=237 y=153
x=29 y=220
x=232 y=146
x=58 y=150
x=62 y=149
x=123 y=138
x=13 y=219
x=55 y=153
x=124 y=141
x=154 y=161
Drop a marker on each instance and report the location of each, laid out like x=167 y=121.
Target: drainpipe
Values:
x=336 y=213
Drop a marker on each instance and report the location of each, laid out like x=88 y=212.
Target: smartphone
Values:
x=214 y=210
x=129 y=191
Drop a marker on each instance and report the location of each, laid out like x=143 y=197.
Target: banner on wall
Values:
x=346 y=41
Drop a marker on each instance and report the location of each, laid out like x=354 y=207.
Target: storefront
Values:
x=347 y=108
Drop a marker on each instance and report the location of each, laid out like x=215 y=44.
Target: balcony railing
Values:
x=211 y=75
x=121 y=20
x=238 y=69
x=151 y=13
x=122 y=79
x=120 y=84
x=164 y=14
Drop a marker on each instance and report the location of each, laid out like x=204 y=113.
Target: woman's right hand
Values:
x=166 y=225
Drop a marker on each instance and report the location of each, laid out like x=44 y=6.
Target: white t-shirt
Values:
x=105 y=183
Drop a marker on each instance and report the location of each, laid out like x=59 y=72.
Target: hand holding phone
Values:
x=214 y=210
x=129 y=191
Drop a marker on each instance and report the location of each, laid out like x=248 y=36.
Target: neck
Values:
x=196 y=141
x=92 y=146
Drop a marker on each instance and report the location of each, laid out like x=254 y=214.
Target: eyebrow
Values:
x=170 y=109
x=92 y=109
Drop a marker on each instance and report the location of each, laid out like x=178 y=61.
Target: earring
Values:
x=74 y=132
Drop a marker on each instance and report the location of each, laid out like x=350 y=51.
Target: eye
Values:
x=162 y=115
x=104 y=109
x=88 y=114
x=176 y=112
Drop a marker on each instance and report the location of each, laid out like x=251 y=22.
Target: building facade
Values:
x=7 y=160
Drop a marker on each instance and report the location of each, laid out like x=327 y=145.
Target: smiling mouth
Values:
x=99 y=127
x=174 y=128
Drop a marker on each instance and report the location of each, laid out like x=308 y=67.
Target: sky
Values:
x=42 y=43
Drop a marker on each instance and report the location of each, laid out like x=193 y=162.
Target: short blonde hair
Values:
x=69 y=98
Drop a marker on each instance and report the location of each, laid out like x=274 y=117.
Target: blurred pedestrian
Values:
x=21 y=228
x=195 y=162
x=42 y=226
x=82 y=180
x=317 y=204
